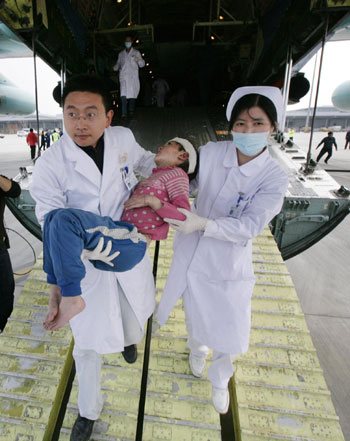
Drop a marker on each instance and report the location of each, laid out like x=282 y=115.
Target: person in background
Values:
x=128 y=64
x=291 y=134
x=60 y=132
x=161 y=88
x=9 y=189
x=48 y=139
x=327 y=148
x=32 y=141
x=55 y=136
x=240 y=189
x=347 y=139
x=42 y=140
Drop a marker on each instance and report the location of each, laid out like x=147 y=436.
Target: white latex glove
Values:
x=192 y=223
x=98 y=254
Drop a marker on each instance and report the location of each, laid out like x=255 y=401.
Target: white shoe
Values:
x=197 y=365
x=221 y=399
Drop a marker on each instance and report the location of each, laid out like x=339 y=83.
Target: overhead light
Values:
x=150 y=71
x=147 y=64
x=129 y=24
x=137 y=41
x=221 y=17
x=143 y=54
x=119 y=1
x=212 y=37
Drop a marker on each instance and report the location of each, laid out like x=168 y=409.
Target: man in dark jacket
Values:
x=328 y=142
x=11 y=189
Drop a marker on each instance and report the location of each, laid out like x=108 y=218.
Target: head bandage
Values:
x=192 y=160
x=273 y=93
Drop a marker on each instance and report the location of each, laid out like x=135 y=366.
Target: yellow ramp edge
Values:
x=278 y=391
x=34 y=366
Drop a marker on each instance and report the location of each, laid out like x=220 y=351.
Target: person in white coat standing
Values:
x=240 y=189
x=128 y=63
x=92 y=168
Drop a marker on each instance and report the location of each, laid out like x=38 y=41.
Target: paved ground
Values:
x=320 y=274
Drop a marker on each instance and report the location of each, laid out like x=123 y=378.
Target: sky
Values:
x=335 y=70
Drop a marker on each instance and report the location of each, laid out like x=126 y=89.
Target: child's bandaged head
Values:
x=192 y=160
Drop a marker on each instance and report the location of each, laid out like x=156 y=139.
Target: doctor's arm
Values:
x=143 y=160
x=46 y=190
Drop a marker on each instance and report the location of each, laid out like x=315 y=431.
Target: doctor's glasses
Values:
x=90 y=117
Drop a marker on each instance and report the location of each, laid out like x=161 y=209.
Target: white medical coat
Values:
x=65 y=176
x=128 y=64
x=215 y=266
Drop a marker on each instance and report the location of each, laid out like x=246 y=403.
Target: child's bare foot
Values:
x=54 y=303
x=68 y=308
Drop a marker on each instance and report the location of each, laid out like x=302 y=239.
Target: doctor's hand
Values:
x=192 y=223
x=98 y=254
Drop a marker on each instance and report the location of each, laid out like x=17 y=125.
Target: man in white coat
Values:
x=92 y=168
x=128 y=63
x=240 y=189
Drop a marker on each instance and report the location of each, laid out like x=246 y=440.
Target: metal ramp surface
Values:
x=278 y=391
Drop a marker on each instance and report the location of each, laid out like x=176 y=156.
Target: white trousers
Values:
x=88 y=363
x=221 y=369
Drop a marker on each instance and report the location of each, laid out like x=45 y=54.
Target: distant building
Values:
x=326 y=116
x=11 y=124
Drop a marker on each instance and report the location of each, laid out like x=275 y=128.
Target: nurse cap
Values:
x=273 y=93
x=192 y=160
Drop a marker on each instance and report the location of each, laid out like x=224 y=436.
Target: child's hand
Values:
x=147 y=200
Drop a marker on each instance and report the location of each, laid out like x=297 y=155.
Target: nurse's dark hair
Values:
x=246 y=102
x=88 y=83
x=185 y=165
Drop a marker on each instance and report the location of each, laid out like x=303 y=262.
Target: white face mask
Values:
x=250 y=144
x=128 y=44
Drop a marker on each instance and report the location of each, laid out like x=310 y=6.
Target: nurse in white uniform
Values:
x=240 y=189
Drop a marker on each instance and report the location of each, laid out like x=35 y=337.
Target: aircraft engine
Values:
x=341 y=96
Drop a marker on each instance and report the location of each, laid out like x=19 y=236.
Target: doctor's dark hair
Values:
x=185 y=165
x=246 y=102
x=88 y=83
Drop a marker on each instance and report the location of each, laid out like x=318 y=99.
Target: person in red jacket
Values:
x=32 y=141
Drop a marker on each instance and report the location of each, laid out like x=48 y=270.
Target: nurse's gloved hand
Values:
x=98 y=254
x=192 y=223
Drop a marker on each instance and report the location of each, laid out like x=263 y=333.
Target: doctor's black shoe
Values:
x=82 y=429
x=130 y=353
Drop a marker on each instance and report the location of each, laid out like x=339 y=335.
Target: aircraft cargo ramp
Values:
x=278 y=391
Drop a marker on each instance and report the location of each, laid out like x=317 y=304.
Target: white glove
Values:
x=98 y=254
x=192 y=223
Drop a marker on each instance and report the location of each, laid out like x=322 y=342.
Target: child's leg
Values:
x=63 y=244
x=68 y=308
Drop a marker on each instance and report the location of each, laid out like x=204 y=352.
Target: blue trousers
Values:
x=67 y=231
x=132 y=102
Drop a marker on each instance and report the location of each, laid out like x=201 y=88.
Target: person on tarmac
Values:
x=240 y=189
x=327 y=148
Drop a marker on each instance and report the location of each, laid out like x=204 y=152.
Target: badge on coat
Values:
x=129 y=178
x=237 y=209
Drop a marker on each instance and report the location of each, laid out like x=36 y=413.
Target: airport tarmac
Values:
x=320 y=274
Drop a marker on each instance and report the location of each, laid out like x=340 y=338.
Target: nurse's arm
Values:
x=265 y=204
